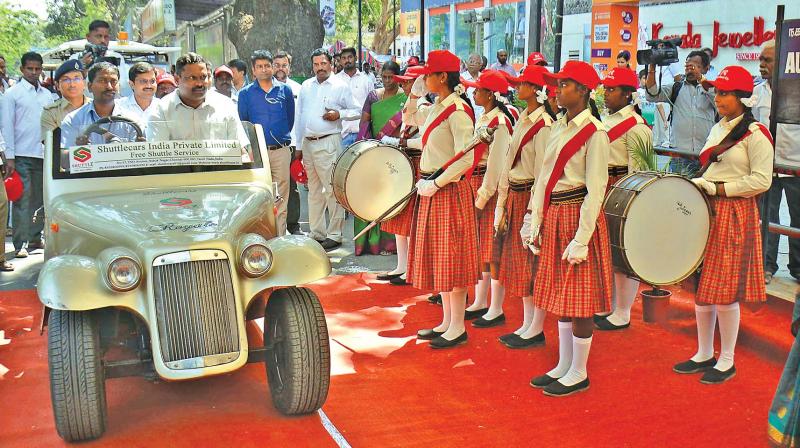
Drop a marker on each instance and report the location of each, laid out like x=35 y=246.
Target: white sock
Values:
x=625 y=290
x=580 y=355
x=537 y=324
x=481 y=293
x=706 y=317
x=564 y=350
x=498 y=296
x=527 y=313
x=728 y=331
x=402 y=254
x=458 y=301
x=442 y=327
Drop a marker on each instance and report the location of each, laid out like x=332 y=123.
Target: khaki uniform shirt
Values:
x=53 y=114
x=589 y=167
x=494 y=158
x=446 y=139
x=745 y=168
x=621 y=148
x=530 y=161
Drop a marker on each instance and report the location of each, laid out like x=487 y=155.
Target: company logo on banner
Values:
x=615 y=30
x=327 y=10
x=128 y=155
x=788 y=91
x=601 y=52
x=601 y=33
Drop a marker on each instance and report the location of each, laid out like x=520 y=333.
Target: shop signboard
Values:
x=788 y=110
x=614 y=29
x=158 y=16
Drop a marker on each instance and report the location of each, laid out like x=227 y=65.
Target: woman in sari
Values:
x=380 y=117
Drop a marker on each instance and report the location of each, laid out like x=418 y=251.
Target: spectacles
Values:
x=146 y=82
x=70 y=81
x=270 y=100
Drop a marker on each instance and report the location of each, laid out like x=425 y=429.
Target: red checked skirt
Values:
x=485 y=222
x=733 y=269
x=402 y=222
x=443 y=253
x=587 y=290
x=517 y=263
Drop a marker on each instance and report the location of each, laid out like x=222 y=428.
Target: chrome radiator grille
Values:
x=195 y=309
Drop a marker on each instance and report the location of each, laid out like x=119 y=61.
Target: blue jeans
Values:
x=348 y=140
x=25 y=230
x=791 y=187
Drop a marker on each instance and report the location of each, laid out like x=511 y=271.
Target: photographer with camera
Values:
x=693 y=110
x=96 y=50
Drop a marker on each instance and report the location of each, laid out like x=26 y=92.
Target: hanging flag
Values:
x=327 y=10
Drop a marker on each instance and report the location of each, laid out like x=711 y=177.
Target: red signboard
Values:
x=730 y=40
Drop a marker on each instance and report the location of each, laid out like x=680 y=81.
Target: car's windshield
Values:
x=125 y=145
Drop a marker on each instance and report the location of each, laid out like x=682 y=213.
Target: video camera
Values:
x=98 y=53
x=662 y=52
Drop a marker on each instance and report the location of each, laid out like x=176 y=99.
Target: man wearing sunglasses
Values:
x=70 y=85
x=270 y=103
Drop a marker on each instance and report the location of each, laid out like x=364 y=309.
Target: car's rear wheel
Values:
x=298 y=357
x=77 y=382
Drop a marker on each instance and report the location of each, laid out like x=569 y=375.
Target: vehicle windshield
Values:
x=120 y=145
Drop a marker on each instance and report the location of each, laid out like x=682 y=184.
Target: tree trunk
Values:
x=290 y=25
x=384 y=33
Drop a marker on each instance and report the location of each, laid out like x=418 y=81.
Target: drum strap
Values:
x=527 y=138
x=712 y=154
x=570 y=149
x=444 y=116
x=620 y=129
x=410 y=131
x=481 y=148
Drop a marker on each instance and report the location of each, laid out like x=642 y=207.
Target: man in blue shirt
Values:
x=270 y=103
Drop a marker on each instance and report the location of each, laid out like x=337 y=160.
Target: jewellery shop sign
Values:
x=131 y=155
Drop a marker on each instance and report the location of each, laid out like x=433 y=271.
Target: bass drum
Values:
x=369 y=177
x=659 y=226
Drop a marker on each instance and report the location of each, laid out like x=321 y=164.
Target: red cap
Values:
x=536 y=58
x=551 y=92
x=298 y=171
x=413 y=61
x=166 y=77
x=578 y=71
x=490 y=80
x=533 y=74
x=223 y=69
x=621 y=76
x=732 y=77
x=441 y=61
x=412 y=73
x=14 y=187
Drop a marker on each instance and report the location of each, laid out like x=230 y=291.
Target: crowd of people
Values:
x=520 y=216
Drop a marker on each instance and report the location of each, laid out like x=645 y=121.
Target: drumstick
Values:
x=482 y=137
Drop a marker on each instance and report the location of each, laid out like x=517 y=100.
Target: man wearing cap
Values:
x=270 y=103
x=165 y=84
x=474 y=63
x=70 y=84
x=223 y=82
x=536 y=58
x=142 y=102
x=282 y=66
x=360 y=86
x=502 y=63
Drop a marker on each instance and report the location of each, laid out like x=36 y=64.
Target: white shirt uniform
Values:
x=787 y=140
x=295 y=86
x=315 y=98
x=494 y=158
x=21 y=119
x=621 y=148
x=471 y=95
x=360 y=86
x=130 y=108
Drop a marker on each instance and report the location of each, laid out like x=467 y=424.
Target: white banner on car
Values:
x=130 y=155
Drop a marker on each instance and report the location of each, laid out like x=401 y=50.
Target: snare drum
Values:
x=369 y=177
x=659 y=225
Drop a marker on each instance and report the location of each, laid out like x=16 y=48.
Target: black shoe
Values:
x=694 y=367
x=487 y=323
x=714 y=376
x=296 y=231
x=435 y=299
x=399 y=281
x=556 y=389
x=540 y=382
x=474 y=314
x=38 y=245
x=428 y=334
x=505 y=337
x=442 y=342
x=598 y=317
x=517 y=341
x=388 y=276
x=329 y=244
x=605 y=325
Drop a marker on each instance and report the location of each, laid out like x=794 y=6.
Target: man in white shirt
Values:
x=223 y=82
x=325 y=102
x=21 y=118
x=474 y=63
x=787 y=152
x=142 y=102
x=360 y=85
x=282 y=64
x=239 y=71
x=5 y=82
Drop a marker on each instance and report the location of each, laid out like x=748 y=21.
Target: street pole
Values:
x=394 y=28
x=358 y=52
x=421 y=54
x=559 y=23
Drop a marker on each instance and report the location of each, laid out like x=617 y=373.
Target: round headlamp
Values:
x=256 y=260
x=124 y=274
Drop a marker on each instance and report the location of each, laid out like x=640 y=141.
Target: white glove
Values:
x=708 y=187
x=575 y=252
x=534 y=248
x=426 y=187
x=388 y=140
x=525 y=231
x=498 y=217
x=419 y=88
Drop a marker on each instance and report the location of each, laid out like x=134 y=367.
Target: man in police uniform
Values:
x=70 y=84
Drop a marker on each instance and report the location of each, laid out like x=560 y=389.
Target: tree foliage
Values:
x=69 y=19
x=20 y=31
x=376 y=20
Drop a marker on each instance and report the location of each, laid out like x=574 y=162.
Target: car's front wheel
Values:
x=298 y=357
x=77 y=381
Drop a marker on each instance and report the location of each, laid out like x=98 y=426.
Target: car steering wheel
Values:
x=95 y=127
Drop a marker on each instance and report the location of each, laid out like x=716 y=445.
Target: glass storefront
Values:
x=469 y=36
x=439 y=32
x=508 y=32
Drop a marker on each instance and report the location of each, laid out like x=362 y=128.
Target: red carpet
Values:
x=389 y=390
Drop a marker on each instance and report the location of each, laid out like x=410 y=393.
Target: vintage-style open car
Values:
x=158 y=253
